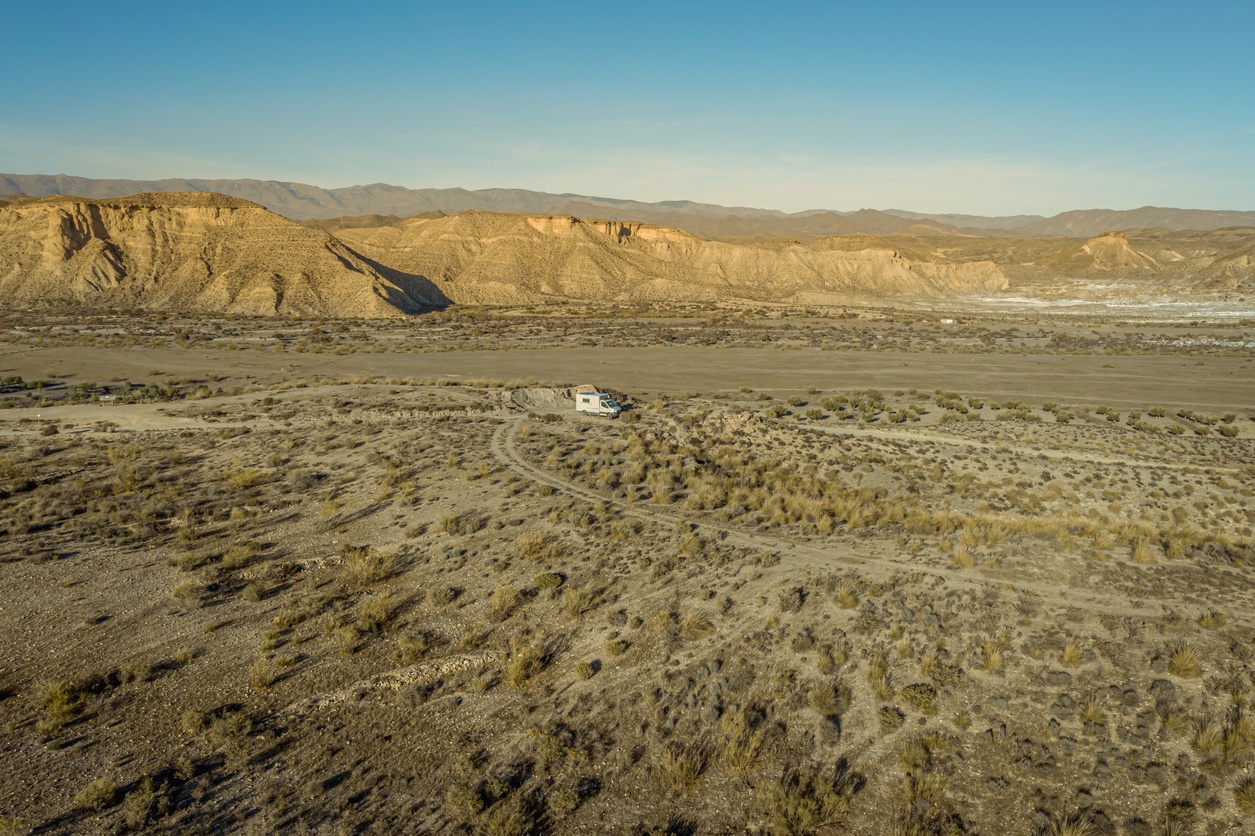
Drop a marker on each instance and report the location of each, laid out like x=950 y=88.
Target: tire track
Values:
x=793 y=551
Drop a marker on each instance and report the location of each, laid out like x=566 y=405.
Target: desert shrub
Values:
x=138 y=804
x=186 y=590
x=1094 y=710
x=261 y=674
x=562 y=802
x=791 y=599
x=878 y=676
x=1072 y=654
x=374 y=612
x=829 y=699
x=576 y=602
x=98 y=794
x=61 y=701
x=548 y=580
x=302 y=480
x=465 y=802
x=1244 y=795
x=1073 y=824
x=921 y=695
x=538 y=546
x=804 y=804
x=678 y=766
x=508 y=818
x=505 y=600
x=240 y=554
x=411 y=649
x=742 y=742
x=461 y=525
x=1209 y=738
x=1212 y=619
x=695 y=625
x=847 y=594
x=991 y=658
x=13 y=826
x=1176 y=721
x=963 y=558
x=1141 y=552
x=364 y=565
x=890 y=718
x=585 y=670
x=48 y=726
x=442 y=595
x=346 y=638
x=1183 y=662
x=522 y=662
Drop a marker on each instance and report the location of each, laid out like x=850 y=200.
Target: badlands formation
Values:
x=487 y=258
x=193 y=253
x=201 y=253
x=205 y=253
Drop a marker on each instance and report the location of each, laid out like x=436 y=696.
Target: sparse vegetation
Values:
x=547 y=622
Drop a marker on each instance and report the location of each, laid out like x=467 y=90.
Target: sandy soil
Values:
x=384 y=592
x=1129 y=382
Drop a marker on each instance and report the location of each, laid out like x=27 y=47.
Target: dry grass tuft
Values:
x=1072 y=654
x=522 y=662
x=1244 y=795
x=678 y=766
x=1183 y=662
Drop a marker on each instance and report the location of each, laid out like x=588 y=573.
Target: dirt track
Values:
x=1131 y=382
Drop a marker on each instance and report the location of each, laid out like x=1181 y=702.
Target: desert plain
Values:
x=863 y=569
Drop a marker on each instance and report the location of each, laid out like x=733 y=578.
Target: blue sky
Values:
x=980 y=107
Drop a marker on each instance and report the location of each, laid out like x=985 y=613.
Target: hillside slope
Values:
x=201 y=253
x=487 y=258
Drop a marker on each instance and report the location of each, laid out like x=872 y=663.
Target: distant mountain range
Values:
x=300 y=201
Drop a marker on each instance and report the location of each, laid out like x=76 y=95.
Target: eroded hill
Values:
x=487 y=258
x=212 y=254
x=202 y=253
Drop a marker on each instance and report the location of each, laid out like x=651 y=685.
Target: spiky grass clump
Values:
x=678 y=767
x=1183 y=662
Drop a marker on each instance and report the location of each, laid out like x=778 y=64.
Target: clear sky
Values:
x=979 y=107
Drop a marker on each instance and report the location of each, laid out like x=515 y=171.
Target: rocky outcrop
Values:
x=1109 y=252
x=195 y=253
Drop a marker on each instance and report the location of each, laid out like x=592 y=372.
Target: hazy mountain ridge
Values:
x=301 y=201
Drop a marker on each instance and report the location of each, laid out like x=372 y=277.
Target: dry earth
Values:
x=871 y=574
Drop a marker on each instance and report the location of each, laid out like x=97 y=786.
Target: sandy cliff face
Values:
x=488 y=258
x=185 y=252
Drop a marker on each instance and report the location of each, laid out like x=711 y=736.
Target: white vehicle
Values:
x=596 y=403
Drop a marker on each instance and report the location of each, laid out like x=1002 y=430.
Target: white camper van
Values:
x=588 y=399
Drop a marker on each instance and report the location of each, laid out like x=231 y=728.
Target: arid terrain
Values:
x=204 y=254
x=843 y=570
